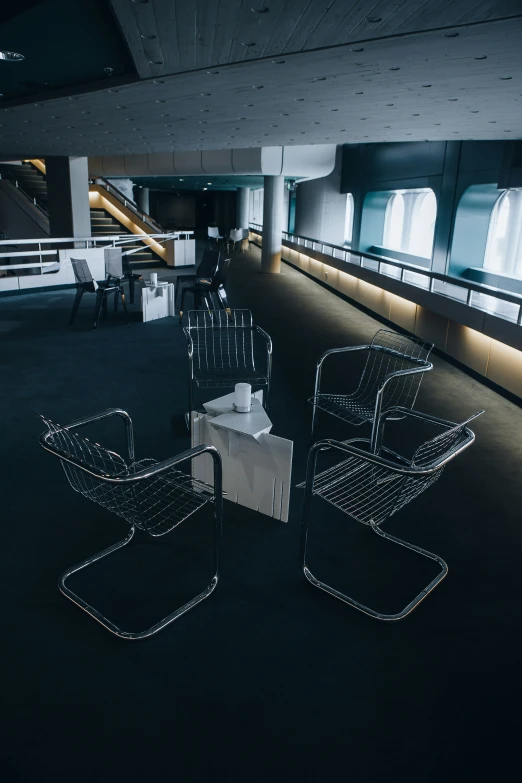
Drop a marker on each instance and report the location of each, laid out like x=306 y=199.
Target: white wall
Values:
x=321 y=207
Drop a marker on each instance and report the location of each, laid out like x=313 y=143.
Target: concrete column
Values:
x=243 y=208
x=68 y=196
x=142 y=198
x=273 y=204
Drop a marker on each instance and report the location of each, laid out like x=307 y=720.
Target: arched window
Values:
x=504 y=243
x=409 y=222
x=394 y=222
x=348 y=220
x=424 y=215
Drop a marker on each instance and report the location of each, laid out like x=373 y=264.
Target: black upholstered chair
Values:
x=85 y=283
x=205 y=270
x=204 y=289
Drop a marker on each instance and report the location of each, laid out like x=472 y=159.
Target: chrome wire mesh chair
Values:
x=391 y=378
x=371 y=487
x=152 y=496
x=85 y=283
x=225 y=347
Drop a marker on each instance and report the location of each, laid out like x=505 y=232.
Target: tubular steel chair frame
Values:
x=395 y=484
x=235 y=322
x=124 y=490
x=370 y=396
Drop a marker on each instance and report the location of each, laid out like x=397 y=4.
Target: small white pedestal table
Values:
x=257 y=466
x=158 y=301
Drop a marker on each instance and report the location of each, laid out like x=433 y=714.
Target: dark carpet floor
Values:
x=269 y=679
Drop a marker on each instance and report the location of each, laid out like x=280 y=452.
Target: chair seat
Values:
x=215 y=378
x=347 y=407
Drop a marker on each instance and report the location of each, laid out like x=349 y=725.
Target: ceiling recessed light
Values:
x=181 y=179
x=481 y=57
x=358 y=49
x=452 y=99
x=247 y=43
x=451 y=34
x=394 y=68
x=425 y=85
x=213 y=73
x=506 y=78
x=148 y=37
x=279 y=62
x=262 y=10
x=205 y=188
x=374 y=19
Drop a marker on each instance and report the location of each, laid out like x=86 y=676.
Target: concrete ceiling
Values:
x=461 y=82
x=175 y=36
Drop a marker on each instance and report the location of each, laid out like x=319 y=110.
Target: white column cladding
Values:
x=243 y=208
x=142 y=197
x=273 y=202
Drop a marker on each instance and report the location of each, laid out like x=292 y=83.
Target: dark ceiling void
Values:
x=65 y=43
x=210 y=182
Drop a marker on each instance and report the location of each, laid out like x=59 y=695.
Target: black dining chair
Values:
x=85 y=283
x=204 y=289
x=205 y=270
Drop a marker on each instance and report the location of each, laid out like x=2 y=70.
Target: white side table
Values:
x=158 y=301
x=257 y=465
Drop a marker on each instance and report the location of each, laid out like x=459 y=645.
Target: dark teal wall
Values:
x=473 y=170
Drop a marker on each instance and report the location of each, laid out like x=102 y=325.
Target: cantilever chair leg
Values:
x=76 y=304
x=110 y=626
x=97 y=307
x=356 y=604
x=122 y=294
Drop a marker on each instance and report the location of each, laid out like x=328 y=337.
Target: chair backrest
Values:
x=213 y=232
x=371 y=492
x=81 y=270
x=220 y=276
x=245 y=232
x=208 y=264
x=98 y=461
x=222 y=341
x=236 y=234
x=401 y=353
x=156 y=504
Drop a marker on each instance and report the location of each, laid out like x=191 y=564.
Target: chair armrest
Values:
x=328 y=353
x=423 y=367
x=266 y=336
x=98 y=417
x=190 y=342
x=411 y=413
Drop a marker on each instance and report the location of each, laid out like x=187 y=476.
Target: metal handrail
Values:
x=15 y=182
x=110 y=188
x=468 y=285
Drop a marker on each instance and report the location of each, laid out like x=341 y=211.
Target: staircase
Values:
x=104 y=224
x=29 y=180
x=32 y=182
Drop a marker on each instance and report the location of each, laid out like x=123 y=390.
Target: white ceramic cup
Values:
x=242 y=397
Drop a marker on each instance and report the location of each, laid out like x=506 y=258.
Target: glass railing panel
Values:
x=422 y=281
x=369 y=263
x=495 y=306
x=391 y=271
x=450 y=290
